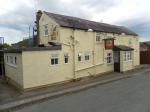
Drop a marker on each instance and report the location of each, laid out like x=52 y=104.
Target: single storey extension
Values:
x=68 y=48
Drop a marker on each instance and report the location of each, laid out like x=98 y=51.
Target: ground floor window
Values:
x=87 y=56
x=109 y=58
x=66 y=58
x=54 y=60
x=80 y=57
x=127 y=55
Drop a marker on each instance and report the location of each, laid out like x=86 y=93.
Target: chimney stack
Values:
x=37 y=37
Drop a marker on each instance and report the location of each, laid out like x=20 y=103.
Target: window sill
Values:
x=110 y=63
x=55 y=65
x=98 y=42
x=128 y=61
x=12 y=65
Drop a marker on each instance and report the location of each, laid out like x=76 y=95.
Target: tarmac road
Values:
x=127 y=95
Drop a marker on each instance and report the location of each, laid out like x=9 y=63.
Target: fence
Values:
x=145 y=57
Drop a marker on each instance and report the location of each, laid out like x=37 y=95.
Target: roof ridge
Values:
x=84 y=24
x=83 y=19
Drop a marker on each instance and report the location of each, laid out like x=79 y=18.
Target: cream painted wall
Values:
x=85 y=42
x=14 y=72
x=38 y=71
x=126 y=65
x=124 y=40
x=45 y=20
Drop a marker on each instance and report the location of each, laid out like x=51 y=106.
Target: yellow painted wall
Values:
x=126 y=65
x=15 y=73
x=124 y=40
x=38 y=71
x=85 y=42
x=45 y=20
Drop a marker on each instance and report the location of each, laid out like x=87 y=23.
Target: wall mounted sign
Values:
x=109 y=43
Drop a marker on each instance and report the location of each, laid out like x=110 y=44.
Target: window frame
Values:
x=109 y=58
x=87 y=56
x=46 y=32
x=127 y=56
x=98 y=37
x=80 y=56
x=66 y=56
x=55 y=59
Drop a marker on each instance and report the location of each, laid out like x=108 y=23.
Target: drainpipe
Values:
x=94 y=53
x=74 y=64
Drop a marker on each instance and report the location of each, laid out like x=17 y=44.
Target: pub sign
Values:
x=109 y=43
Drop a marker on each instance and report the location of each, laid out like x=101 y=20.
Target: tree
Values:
x=4 y=46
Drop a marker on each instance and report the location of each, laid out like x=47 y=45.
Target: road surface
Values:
x=127 y=95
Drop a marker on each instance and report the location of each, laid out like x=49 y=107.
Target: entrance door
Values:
x=116 y=61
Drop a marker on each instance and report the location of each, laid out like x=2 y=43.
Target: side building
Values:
x=71 y=48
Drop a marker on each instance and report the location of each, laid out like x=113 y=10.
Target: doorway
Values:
x=117 y=61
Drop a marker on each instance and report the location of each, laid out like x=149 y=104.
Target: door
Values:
x=116 y=61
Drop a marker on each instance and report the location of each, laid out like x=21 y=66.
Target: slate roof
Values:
x=122 y=48
x=78 y=23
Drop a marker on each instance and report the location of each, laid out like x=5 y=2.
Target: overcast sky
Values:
x=17 y=15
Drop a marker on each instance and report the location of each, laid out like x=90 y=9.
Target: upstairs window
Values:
x=130 y=41
x=46 y=30
x=109 y=58
x=54 y=60
x=98 y=38
x=66 y=58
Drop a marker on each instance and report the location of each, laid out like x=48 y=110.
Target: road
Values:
x=127 y=95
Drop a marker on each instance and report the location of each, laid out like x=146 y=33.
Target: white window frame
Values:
x=46 y=30
x=80 y=55
x=11 y=61
x=98 y=37
x=130 y=41
x=66 y=57
x=127 y=56
x=109 y=58
x=87 y=56
x=55 y=57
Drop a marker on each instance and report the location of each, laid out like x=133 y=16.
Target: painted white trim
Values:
x=12 y=65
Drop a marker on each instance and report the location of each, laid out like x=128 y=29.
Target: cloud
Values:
x=140 y=25
x=12 y=36
x=17 y=15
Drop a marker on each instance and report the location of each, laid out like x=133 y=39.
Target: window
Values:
x=46 y=30
x=130 y=41
x=98 y=38
x=15 y=60
x=127 y=55
x=87 y=56
x=7 y=60
x=11 y=60
x=66 y=58
x=109 y=58
x=79 y=57
x=54 y=60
